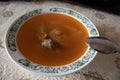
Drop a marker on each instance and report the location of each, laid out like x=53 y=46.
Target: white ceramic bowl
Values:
x=13 y=52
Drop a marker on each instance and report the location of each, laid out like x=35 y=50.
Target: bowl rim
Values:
x=50 y=8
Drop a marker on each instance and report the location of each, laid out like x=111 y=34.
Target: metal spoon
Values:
x=102 y=45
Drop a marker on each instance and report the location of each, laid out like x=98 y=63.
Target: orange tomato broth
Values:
x=73 y=39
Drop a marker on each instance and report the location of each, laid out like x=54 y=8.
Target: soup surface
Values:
x=52 y=39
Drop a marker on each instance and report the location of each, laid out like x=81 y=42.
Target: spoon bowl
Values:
x=102 y=45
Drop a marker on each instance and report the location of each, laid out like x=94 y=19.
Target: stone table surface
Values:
x=103 y=67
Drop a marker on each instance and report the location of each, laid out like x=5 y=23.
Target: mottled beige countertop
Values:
x=103 y=67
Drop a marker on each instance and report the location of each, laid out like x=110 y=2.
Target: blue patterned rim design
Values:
x=45 y=70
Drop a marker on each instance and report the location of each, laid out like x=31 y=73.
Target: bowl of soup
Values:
x=51 y=41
